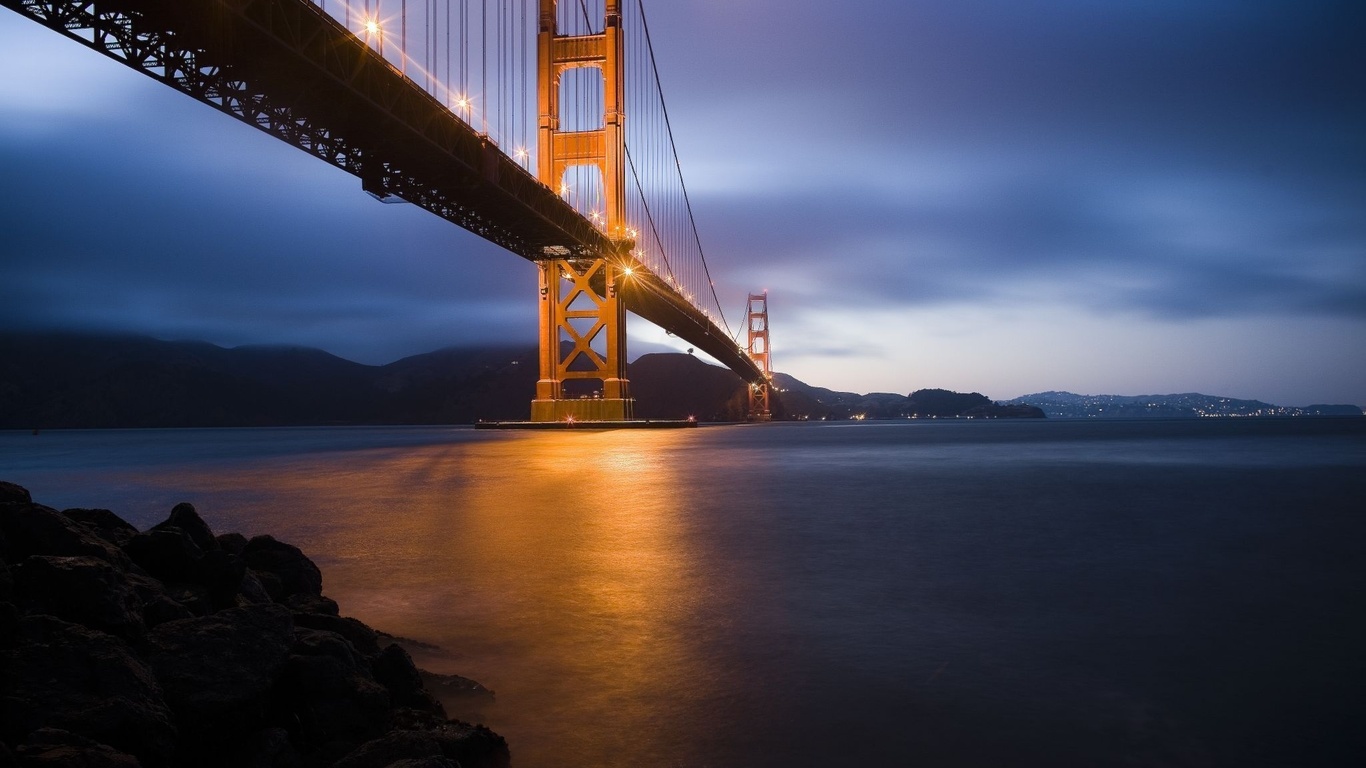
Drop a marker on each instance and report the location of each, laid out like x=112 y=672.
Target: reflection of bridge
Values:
x=423 y=101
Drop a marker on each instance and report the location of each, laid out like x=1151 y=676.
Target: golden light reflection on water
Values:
x=554 y=568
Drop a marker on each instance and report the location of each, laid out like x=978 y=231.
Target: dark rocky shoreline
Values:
x=175 y=647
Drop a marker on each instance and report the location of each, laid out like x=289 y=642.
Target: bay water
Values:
x=920 y=593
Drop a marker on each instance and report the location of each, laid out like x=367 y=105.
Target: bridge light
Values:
x=627 y=271
x=520 y=154
x=372 y=27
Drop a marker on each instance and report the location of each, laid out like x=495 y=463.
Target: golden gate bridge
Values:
x=539 y=125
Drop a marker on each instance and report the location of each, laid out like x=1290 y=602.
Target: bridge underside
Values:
x=287 y=68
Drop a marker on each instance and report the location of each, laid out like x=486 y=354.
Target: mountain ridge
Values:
x=53 y=380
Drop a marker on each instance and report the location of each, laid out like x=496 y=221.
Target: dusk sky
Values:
x=1002 y=196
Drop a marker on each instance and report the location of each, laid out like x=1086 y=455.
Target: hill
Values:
x=1185 y=405
x=59 y=380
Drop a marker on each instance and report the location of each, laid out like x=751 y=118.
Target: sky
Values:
x=1001 y=196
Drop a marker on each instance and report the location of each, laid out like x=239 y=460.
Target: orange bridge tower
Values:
x=578 y=295
x=756 y=320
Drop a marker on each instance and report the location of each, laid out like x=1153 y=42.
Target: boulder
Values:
x=394 y=669
x=470 y=746
x=296 y=574
x=6 y=583
x=33 y=529
x=232 y=542
x=55 y=748
x=65 y=676
x=9 y=492
x=218 y=670
x=104 y=523
x=167 y=553
x=83 y=590
x=327 y=689
x=185 y=519
x=364 y=639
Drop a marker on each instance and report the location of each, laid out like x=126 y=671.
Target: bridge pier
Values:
x=583 y=343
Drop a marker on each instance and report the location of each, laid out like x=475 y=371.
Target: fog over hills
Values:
x=68 y=380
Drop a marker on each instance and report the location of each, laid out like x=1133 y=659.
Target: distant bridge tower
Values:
x=756 y=320
x=578 y=295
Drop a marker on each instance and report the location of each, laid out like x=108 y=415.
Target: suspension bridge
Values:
x=539 y=125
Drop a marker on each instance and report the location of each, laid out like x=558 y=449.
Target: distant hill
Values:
x=803 y=401
x=70 y=380
x=1186 y=405
x=53 y=381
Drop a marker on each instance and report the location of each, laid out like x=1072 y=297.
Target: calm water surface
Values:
x=1066 y=593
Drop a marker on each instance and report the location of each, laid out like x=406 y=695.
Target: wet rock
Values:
x=296 y=574
x=55 y=748
x=217 y=670
x=63 y=675
x=83 y=590
x=104 y=523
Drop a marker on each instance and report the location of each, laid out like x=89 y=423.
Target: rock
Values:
x=167 y=553
x=327 y=689
x=63 y=675
x=83 y=590
x=33 y=529
x=9 y=492
x=157 y=605
x=364 y=639
x=425 y=762
x=218 y=670
x=104 y=523
x=175 y=647
x=221 y=574
x=453 y=686
x=232 y=542
x=296 y=573
x=394 y=669
x=251 y=591
x=185 y=519
x=470 y=746
x=315 y=604
x=63 y=749
x=6 y=583
x=267 y=748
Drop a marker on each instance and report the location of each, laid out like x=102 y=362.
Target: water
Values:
x=1174 y=593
